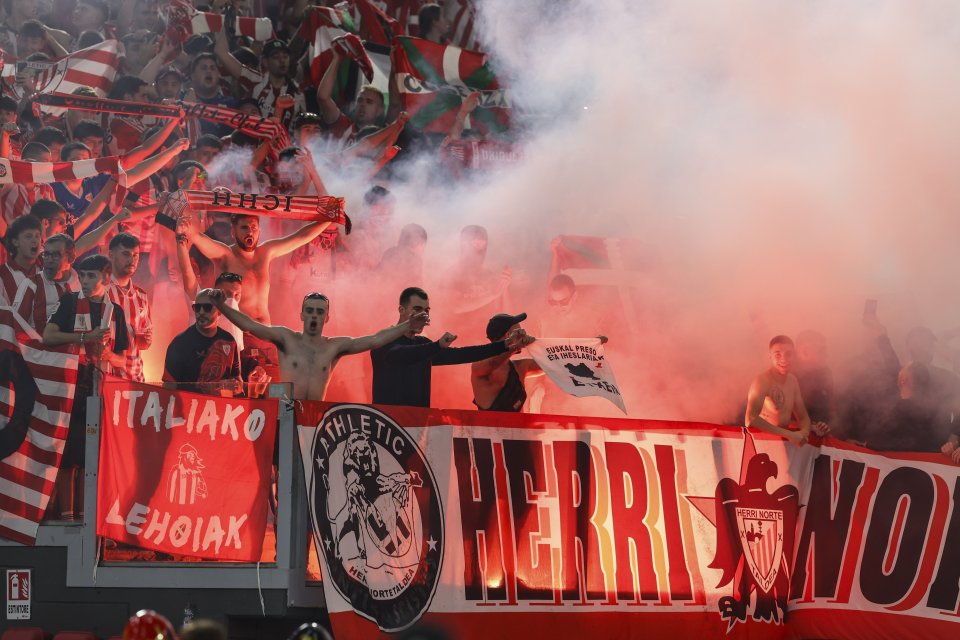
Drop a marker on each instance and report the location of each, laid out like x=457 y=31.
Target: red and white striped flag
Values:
x=406 y=13
x=23 y=172
x=463 y=31
x=93 y=67
x=185 y=21
x=40 y=409
x=260 y=29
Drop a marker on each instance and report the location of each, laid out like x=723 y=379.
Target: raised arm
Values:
x=303 y=235
x=281 y=105
x=329 y=110
x=189 y=278
x=514 y=341
x=154 y=163
x=89 y=240
x=383 y=337
x=137 y=155
x=276 y=335
x=152 y=68
x=212 y=249
x=222 y=48
x=95 y=208
x=8 y=129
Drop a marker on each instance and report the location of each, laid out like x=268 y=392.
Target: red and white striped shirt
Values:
x=38 y=298
x=136 y=311
x=266 y=96
x=11 y=275
x=16 y=199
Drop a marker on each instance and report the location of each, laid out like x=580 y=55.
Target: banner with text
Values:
x=502 y=525
x=185 y=473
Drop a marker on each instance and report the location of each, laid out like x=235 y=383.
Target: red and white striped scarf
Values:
x=37 y=297
x=253 y=126
x=18 y=171
x=183 y=21
x=106 y=105
x=310 y=208
x=82 y=320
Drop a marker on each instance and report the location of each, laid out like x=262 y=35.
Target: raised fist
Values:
x=446 y=339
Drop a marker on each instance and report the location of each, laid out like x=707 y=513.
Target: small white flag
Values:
x=578 y=366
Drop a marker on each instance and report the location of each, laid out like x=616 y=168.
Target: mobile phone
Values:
x=131 y=198
x=869 y=311
x=166 y=221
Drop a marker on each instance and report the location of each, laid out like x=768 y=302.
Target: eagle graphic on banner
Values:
x=755 y=536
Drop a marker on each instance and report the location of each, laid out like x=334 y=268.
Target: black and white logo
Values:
x=377 y=515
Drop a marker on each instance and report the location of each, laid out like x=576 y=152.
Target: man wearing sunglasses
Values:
x=204 y=358
x=308 y=357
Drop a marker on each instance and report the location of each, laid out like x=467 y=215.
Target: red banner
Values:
x=185 y=473
x=509 y=525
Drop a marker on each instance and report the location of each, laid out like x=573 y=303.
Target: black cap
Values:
x=273 y=46
x=499 y=325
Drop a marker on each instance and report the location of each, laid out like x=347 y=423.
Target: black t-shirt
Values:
x=66 y=312
x=401 y=369
x=193 y=357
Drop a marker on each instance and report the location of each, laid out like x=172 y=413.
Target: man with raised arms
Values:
x=308 y=357
x=251 y=260
x=774 y=399
x=247 y=257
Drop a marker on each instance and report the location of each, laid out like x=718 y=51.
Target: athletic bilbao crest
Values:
x=761 y=538
x=377 y=515
x=42 y=76
x=755 y=531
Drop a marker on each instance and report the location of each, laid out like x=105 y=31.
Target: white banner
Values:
x=578 y=366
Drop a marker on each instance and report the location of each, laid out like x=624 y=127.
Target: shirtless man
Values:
x=307 y=358
x=250 y=259
x=774 y=397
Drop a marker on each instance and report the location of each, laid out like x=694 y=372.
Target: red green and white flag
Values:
x=434 y=79
x=322 y=27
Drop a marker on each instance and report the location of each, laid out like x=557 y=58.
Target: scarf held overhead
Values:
x=19 y=171
x=119 y=107
x=310 y=208
x=251 y=125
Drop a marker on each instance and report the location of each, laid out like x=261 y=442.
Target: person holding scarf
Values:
x=89 y=320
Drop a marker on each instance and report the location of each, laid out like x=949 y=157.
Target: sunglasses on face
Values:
x=205 y=307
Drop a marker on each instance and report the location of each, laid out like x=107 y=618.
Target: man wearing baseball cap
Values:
x=498 y=381
x=268 y=85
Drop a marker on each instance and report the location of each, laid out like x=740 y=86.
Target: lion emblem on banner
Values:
x=377 y=514
x=375 y=536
